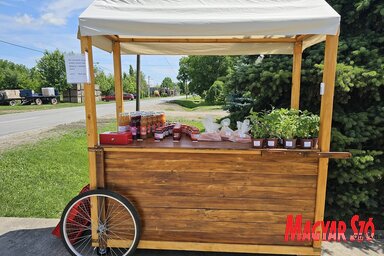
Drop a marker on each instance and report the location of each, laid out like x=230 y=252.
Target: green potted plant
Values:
x=314 y=128
x=258 y=130
x=308 y=129
x=289 y=126
x=272 y=122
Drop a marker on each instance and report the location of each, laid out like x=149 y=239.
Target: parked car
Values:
x=126 y=96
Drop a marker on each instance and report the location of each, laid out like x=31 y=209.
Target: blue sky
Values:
x=52 y=25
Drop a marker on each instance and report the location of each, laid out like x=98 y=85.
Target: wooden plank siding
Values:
x=214 y=198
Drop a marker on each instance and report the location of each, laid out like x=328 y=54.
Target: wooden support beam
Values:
x=301 y=38
x=91 y=126
x=118 y=79
x=209 y=40
x=329 y=76
x=296 y=75
x=90 y=110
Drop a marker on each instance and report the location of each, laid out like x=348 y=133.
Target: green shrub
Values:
x=215 y=94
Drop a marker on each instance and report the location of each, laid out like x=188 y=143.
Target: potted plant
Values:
x=258 y=130
x=272 y=122
x=289 y=125
x=308 y=129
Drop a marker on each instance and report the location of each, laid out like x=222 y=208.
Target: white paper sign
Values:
x=256 y=143
x=77 y=68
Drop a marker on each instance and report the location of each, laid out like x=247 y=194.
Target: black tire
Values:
x=12 y=103
x=38 y=101
x=53 y=101
x=110 y=195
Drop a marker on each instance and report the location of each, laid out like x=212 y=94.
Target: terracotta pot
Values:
x=258 y=143
x=306 y=143
x=272 y=143
x=290 y=143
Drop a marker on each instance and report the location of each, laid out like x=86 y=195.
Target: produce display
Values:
x=288 y=128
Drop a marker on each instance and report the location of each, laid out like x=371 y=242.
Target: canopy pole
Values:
x=118 y=79
x=296 y=74
x=90 y=110
x=138 y=80
x=329 y=76
x=91 y=125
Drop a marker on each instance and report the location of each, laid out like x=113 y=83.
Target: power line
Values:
x=20 y=46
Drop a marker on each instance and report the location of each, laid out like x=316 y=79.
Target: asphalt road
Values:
x=41 y=120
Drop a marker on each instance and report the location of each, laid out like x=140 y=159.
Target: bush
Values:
x=215 y=94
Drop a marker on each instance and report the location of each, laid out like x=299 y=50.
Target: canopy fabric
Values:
x=208 y=19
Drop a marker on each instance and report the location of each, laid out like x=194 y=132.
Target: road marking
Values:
x=18 y=120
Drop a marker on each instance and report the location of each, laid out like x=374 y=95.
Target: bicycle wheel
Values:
x=100 y=222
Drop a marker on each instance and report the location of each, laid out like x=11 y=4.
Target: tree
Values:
x=215 y=94
x=203 y=71
x=15 y=76
x=167 y=83
x=52 y=70
x=106 y=82
x=355 y=185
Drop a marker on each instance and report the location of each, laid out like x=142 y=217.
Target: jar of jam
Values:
x=143 y=127
x=177 y=132
x=195 y=134
x=123 y=122
x=159 y=133
x=163 y=119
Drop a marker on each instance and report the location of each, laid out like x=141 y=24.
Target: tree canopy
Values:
x=203 y=71
x=51 y=68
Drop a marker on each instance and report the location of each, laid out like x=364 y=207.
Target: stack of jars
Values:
x=141 y=124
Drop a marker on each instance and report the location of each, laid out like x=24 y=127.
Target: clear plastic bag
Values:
x=226 y=132
x=241 y=134
x=211 y=130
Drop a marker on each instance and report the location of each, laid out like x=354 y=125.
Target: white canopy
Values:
x=215 y=27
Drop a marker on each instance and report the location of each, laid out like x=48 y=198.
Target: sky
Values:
x=49 y=25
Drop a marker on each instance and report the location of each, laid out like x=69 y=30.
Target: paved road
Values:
x=46 y=119
x=24 y=237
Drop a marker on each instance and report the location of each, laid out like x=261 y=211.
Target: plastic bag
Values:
x=226 y=132
x=241 y=134
x=211 y=130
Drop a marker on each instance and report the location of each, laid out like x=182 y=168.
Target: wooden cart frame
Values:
x=109 y=168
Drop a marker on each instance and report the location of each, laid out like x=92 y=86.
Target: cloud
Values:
x=57 y=12
x=53 y=19
x=25 y=19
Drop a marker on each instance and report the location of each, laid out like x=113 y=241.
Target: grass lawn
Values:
x=39 y=179
x=195 y=104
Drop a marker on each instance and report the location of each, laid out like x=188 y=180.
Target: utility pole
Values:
x=138 y=80
x=149 y=87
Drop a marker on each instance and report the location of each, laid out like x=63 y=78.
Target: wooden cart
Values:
x=221 y=197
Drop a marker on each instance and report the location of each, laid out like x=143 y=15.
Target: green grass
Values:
x=27 y=108
x=194 y=104
x=39 y=179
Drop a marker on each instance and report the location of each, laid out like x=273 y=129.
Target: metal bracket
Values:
x=95 y=149
x=322 y=89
